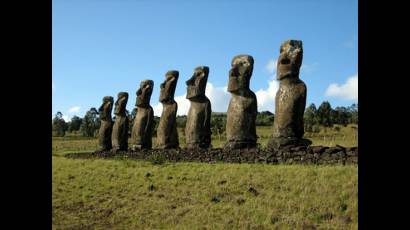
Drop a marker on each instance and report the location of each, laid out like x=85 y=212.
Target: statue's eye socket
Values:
x=285 y=61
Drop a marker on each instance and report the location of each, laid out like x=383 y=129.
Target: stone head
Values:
x=144 y=93
x=168 y=86
x=106 y=107
x=290 y=59
x=240 y=73
x=121 y=103
x=196 y=85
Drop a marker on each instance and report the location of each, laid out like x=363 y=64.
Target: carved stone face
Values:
x=240 y=73
x=168 y=86
x=144 y=93
x=121 y=103
x=197 y=83
x=106 y=107
x=290 y=59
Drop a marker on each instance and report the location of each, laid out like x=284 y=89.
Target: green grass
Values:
x=134 y=194
x=117 y=194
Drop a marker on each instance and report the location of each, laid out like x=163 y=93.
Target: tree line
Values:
x=314 y=117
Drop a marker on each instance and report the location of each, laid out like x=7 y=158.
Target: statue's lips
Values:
x=141 y=101
x=285 y=70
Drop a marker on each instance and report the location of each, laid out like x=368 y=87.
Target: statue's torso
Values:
x=167 y=130
x=198 y=122
x=120 y=132
x=104 y=134
x=142 y=128
x=241 y=118
x=290 y=104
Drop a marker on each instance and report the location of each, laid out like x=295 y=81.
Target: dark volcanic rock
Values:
x=318 y=149
x=167 y=134
x=290 y=99
x=254 y=155
x=198 y=124
x=120 y=129
x=141 y=135
x=105 y=131
x=242 y=110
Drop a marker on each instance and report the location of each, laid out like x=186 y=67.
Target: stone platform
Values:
x=291 y=155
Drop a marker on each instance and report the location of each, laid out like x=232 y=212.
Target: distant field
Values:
x=134 y=194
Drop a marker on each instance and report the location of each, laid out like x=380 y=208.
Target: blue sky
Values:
x=102 y=47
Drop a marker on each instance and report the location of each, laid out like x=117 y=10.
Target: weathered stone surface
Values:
x=254 y=155
x=167 y=134
x=299 y=148
x=141 y=135
x=318 y=149
x=332 y=150
x=105 y=131
x=351 y=149
x=120 y=128
x=198 y=124
x=290 y=99
x=242 y=110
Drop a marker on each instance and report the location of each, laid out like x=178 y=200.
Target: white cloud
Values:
x=157 y=109
x=266 y=97
x=74 y=109
x=218 y=96
x=347 y=91
x=271 y=66
x=66 y=118
x=183 y=104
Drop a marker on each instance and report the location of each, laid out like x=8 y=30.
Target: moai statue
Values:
x=141 y=135
x=290 y=99
x=120 y=129
x=167 y=133
x=104 y=134
x=242 y=110
x=198 y=124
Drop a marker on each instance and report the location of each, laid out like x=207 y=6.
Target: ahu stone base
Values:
x=294 y=155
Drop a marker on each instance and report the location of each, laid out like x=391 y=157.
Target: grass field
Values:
x=134 y=194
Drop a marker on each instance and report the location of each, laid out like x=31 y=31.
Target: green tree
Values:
x=324 y=114
x=265 y=118
x=354 y=113
x=59 y=126
x=218 y=124
x=74 y=124
x=341 y=116
x=181 y=121
x=90 y=123
x=310 y=117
